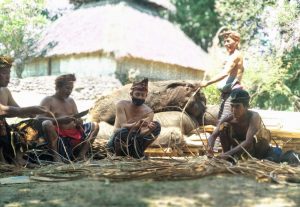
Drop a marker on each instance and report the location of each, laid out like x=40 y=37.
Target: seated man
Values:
x=9 y=147
x=67 y=136
x=134 y=127
x=241 y=131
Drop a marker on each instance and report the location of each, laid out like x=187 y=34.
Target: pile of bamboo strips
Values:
x=124 y=169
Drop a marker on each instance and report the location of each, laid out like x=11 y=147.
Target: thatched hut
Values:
x=115 y=37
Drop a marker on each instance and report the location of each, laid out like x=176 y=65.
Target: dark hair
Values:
x=62 y=80
x=240 y=96
x=231 y=34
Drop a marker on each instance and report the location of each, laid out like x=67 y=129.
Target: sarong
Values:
x=131 y=143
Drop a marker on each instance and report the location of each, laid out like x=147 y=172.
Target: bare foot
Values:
x=20 y=162
x=81 y=158
x=2 y=159
x=145 y=131
x=57 y=158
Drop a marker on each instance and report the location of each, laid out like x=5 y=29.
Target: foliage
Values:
x=292 y=78
x=281 y=26
x=292 y=63
x=197 y=19
x=20 y=25
x=243 y=16
x=265 y=80
x=55 y=9
x=80 y=2
x=212 y=95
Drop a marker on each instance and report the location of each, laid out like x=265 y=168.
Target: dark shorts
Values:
x=130 y=143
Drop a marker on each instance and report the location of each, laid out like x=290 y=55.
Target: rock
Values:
x=85 y=87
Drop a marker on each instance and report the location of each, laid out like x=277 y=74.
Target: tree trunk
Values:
x=19 y=69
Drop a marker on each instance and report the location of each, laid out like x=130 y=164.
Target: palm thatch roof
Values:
x=123 y=31
x=164 y=4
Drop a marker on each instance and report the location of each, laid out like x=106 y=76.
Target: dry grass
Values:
x=117 y=169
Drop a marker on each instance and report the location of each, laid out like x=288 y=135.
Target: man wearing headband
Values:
x=67 y=136
x=241 y=131
x=134 y=127
x=231 y=75
x=9 y=149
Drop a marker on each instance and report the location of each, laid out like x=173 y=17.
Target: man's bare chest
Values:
x=60 y=108
x=133 y=115
x=241 y=127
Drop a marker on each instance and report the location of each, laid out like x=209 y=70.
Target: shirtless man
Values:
x=241 y=130
x=231 y=75
x=134 y=128
x=9 y=108
x=76 y=137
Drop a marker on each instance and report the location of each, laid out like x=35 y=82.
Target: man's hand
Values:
x=66 y=119
x=152 y=125
x=140 y=123
x=78 y=122
x=148 y=128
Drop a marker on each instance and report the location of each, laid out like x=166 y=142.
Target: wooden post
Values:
x=49 y=68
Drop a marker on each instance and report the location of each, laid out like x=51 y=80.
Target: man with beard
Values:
x=134 y=128
x=67 y=136
x=231 y=75
x=10 y=148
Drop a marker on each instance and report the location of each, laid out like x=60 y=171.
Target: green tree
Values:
x=21 y=22
x=265 y=80
x=197 y=19
x=291 y=61
x=244 y=16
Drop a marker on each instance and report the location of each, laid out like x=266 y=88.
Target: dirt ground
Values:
x=219 y=190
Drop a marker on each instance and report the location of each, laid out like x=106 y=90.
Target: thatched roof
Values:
x=123 y=31
x=164 y=4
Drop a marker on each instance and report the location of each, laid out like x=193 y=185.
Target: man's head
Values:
x=239 y=102
x=64 y=84
x=139 y=92
x=231 y=40
x=5 y=65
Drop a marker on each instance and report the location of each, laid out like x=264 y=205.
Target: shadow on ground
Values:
x=222 y=190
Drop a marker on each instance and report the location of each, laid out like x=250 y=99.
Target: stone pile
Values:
x=85 y=88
